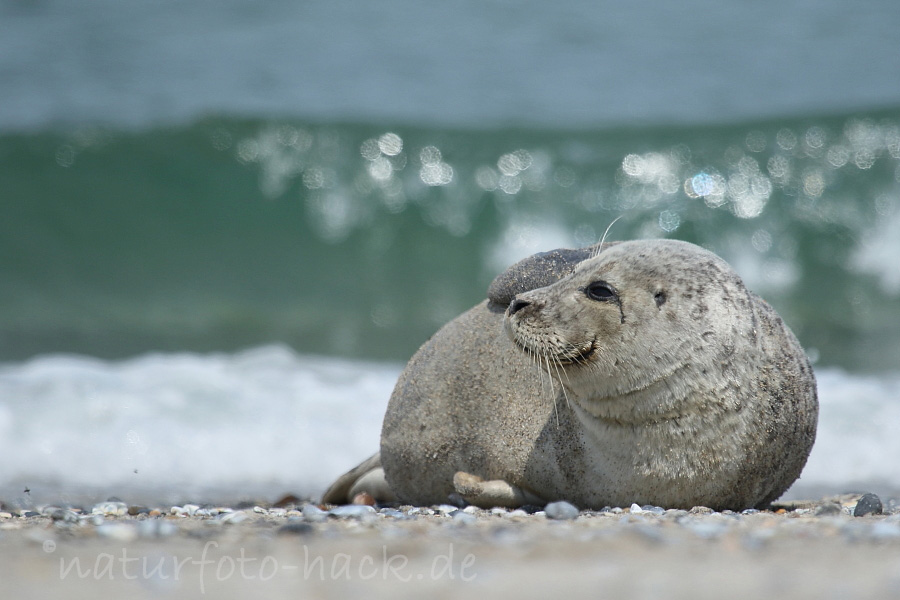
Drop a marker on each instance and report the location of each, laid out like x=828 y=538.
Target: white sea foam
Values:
x=260 y=422
x=267 y=421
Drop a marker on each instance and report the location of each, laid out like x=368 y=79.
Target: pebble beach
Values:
x=846 y=546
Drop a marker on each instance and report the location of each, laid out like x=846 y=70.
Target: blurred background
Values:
x=226 y=225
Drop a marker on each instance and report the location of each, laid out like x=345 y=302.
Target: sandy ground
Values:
x=407 y=553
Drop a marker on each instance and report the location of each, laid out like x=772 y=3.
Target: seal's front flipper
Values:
x=367 y=477
x=487 y=494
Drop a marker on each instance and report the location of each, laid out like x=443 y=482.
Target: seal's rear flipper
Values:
x=488 y=494
x=367 y=477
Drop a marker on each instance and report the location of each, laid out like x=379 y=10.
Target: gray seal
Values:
x=641 y=371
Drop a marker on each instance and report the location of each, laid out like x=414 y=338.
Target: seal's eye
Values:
x=601 y=291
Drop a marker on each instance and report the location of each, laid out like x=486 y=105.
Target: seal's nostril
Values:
x=516 y=305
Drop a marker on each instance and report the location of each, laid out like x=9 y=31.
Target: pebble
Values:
x=562 y=511
x=64 y=515
x=463 y=518
x=313 y=513
x=191 y=509
x=235 y=517
x=138 y=510
x=260 y=510
x=869 y=504
x=497 y=510
x=446 y=509
x=656 y=510
x=5 y=515
x=518 y=513
x=352 y=511
x=635 y=509
x=117 y=509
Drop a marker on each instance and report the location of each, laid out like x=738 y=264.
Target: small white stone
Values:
x=463 y=518
x=110 y=508
x=635 y=509
x=234 y=517
x=352 y=511
x=260 y=510
x=191 y=509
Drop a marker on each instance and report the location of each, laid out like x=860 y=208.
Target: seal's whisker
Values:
x=538 y=357
x=556 y=367
x=540 y=367
x=553 y=396
x=603 y=239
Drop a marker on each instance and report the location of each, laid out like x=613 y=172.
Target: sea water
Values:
x=265 y=422
x=225 y=227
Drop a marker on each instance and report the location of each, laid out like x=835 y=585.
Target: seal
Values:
x=641 y=371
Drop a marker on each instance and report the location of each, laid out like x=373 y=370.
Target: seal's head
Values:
x=650 y=315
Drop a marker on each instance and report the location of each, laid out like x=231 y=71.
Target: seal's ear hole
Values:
x=601 y=291
x=660 y=298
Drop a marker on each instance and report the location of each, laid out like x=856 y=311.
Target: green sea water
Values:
x=361 y=239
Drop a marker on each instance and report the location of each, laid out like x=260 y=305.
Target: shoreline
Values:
x=800 y=549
